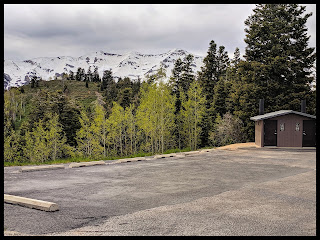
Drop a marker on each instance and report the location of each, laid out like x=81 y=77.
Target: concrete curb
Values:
x=165 y=155
x=31 y=203
x=93 y=163
x=86 y=164
x=192 y=153
x=180 y=155
x=159 y=156
x=130 y=159
x=207 y=150
x=41 y=168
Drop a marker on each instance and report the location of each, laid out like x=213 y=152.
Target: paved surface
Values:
x=241 y=192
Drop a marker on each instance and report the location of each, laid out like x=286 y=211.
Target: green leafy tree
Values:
x=10 y=143
x=115 y=127
x=155 y=115
x=100 y=126
x=55 y=137
x=36 y=148
x=88 y=138
x=131 y=129
x=192 y=113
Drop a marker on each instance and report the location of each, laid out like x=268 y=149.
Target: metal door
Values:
x=270 y=132
x=309 y=133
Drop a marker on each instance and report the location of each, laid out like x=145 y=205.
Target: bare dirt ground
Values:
x=238 y=146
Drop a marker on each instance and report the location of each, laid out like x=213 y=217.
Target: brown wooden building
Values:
x=285 y=128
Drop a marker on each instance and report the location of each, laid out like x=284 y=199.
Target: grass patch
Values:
x=81 y=159
x=175 y=150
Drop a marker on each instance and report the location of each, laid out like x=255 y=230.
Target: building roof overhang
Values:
x=280 y=113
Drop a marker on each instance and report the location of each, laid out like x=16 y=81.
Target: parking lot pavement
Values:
x=240 y=192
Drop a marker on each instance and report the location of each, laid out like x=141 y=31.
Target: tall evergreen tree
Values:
x=95 y=77
x=215 y=66
x=89 y=75
x=71 y=75
x=79 y=74
x=277 y=39
x=218 y=105
x=34 y=82
x=278 y=63
x=187 y=74
x=236 y=57
x=222 y=62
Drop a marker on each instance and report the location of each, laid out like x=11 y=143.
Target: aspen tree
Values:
x=115 y=127
x=192 y=113
x=55 y=137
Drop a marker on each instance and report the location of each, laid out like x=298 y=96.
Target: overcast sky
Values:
x=45 y=30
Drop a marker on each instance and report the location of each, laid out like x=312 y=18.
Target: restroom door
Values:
x=270 y=132
x=309 y=133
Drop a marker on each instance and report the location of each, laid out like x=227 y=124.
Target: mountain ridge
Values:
x=132 y=64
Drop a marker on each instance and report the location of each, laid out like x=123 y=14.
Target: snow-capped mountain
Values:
x=132 y=65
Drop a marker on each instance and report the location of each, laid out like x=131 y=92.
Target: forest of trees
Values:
x=192 y=110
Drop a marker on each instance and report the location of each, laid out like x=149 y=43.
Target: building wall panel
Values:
x=290 y=136
x=259 y=133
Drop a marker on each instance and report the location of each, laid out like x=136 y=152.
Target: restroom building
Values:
x=285 y=128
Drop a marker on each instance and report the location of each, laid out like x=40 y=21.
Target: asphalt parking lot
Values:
x=252 y=191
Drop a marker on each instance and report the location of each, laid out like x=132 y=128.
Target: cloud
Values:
x=55 y=30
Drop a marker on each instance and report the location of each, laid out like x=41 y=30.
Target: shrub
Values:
x=227 y=130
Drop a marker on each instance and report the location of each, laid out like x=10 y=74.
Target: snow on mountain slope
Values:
x=132 y=64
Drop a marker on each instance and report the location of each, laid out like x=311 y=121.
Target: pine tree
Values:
x=89 y=75
x=215 y=66
x=124 y=97
x=33 y=81
x=180 y=80
x=208 y=76
x=277 y=66
x=71 y=75
x=218 y=104
x=277 y=39
x=236 y=57
x=187 y=74
x=96 y=77
x=79 y=74
x=222 y=63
